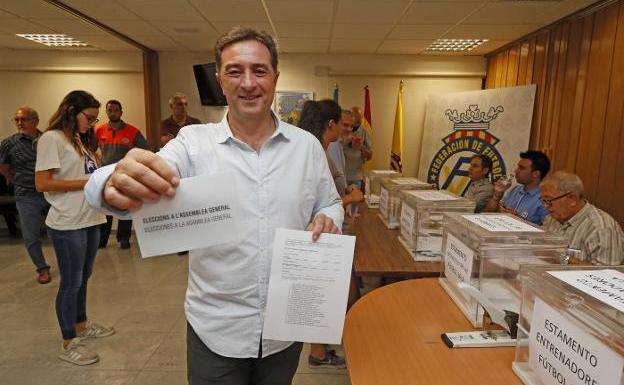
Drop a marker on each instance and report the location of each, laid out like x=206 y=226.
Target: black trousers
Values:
x=208 y=368
x=124 y=229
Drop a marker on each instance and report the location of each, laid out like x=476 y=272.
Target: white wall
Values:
x=422 y=76
x=41 y=79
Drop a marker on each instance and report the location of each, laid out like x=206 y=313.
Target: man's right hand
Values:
x=501 y=185
x=140 y=176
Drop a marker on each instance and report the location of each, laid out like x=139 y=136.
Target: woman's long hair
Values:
x=316 y=115
x=65 y=119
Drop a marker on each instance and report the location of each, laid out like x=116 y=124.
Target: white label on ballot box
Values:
x=604 y=285
x=409 y=181
x=501 y=223
x=563 y=353
x=432 y=195
x=457 y=260
x=383 y=201
x=407 y=220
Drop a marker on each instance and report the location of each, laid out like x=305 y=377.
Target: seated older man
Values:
x=587 y=228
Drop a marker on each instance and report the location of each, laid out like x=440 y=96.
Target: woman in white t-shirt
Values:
x=65 y=160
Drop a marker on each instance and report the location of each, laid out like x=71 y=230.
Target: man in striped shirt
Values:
x=18 y=154
x=597 y=236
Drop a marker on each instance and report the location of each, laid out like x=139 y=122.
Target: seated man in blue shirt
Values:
x=524 y=199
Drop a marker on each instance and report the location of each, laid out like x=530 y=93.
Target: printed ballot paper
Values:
x=203 y=213
x=308 y=287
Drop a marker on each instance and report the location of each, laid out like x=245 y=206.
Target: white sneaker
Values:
x=94 y=330
x=77 y=353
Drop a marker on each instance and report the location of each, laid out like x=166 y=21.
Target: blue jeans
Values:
x=75 y=252
x=30 y=208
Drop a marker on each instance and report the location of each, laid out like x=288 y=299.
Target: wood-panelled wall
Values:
x=578 y=67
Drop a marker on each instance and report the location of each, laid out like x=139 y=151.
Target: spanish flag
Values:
x=397 y=139
x=367 y=123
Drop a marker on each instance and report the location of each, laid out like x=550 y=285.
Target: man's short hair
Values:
x=566 y=182
x=176 y=96
x=539 y=161
x=486 y=162
x=238 y=34
x=30 y=111
x=114 y=102
x=347 y=112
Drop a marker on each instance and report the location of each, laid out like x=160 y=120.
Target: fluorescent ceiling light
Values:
x=53 y=40
x=453 y=45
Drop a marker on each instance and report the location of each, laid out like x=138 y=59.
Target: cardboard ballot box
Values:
x=486 y=251
x=422 y=220
x=571 y=328
x=390 y=199
x=372 y=181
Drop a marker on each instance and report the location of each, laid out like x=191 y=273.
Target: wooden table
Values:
x=392 y=336
x=379 y=253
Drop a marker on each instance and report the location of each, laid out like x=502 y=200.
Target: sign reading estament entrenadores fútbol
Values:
x=495 y=123
x=562 y=353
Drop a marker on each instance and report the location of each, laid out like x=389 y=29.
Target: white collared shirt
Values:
x=284 y=185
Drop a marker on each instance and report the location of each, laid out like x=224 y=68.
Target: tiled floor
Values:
x=142 y=299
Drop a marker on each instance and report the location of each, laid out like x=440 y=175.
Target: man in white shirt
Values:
x=283 y=172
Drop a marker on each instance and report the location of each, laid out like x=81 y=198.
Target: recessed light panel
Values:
x=454 y=45
x=53 y=40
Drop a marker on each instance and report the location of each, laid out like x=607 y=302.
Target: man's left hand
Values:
x=322 y=224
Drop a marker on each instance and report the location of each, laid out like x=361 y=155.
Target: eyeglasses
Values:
x=90 y=119
x=548 y=202
x=18 y=119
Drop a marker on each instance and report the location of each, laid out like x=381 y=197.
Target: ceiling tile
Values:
x=361 y=31
x=370 y=11
x=403 y=46
x=174 y=10
x=303 y=45
x=75 y=27
x=419 y=31
x=488 y=46
x=438 y=13
x=302 y=30
x=231 y=10
x=131 y=27
x=312 y=11
x=197 y=43
x=102 y=9
x=354 y=45
x=17 y=25
x=187 y=28
x=492 y=32
x=107 y=43
x=223 y=27
x=526 y=12
x=159 y=42
x=34 y=8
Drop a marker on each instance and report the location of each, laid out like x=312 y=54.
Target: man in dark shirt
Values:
x=18 y=154
x=179 y=118
x=115 y=139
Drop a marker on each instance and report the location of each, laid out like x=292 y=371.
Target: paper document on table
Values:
x=204 y=212
x=308 y=288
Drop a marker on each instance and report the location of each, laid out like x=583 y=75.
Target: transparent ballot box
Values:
x=422 y=221
x=390 y=198
x=372 y=181
x=486 y=251
x=571 y=326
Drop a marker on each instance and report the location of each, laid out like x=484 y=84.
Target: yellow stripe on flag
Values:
x=396 y=155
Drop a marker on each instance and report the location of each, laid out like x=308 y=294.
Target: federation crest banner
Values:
x=495 y=123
